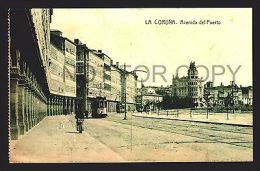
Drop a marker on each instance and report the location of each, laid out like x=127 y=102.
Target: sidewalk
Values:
x=240 y=119
x=55 y=139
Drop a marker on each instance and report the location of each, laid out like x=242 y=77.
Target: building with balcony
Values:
x=116 y=94
x=131 y=90
x=189 y=86
x=62 y=73
x=239 y=95
x=95 y=73
x=107 y=77
x=98 y=76
x=219 y=93
x=89 y=74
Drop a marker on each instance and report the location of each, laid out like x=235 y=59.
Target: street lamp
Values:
x=233 y=87
x=141 y=95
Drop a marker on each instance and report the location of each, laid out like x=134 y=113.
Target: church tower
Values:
x=192 y=71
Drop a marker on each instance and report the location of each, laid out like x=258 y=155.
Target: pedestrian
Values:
x=79 y=119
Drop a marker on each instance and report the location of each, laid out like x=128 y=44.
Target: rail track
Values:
x=197 y=131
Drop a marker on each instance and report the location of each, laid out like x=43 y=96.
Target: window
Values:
x=80 y=68
x=69 y=61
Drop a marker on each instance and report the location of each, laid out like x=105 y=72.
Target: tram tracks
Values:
x=196 y=134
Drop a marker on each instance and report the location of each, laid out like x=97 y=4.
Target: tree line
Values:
x=175 y=102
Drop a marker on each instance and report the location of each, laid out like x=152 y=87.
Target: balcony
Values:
x=79 y=69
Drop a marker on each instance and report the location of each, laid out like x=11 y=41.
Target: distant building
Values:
x=164 y=91
x=189 y=86
x=147 y=98
x=247 y=95
x=217 y=94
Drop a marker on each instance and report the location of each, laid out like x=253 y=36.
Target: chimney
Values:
x=77 y=41
x=117 y=64
x=56 y=32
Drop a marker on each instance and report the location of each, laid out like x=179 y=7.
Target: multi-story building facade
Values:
x=82 y=75
x=62 y=75
x=41 y=18
x=239 y=95
x=28 y=53
x=42 y=71
x=115 y=101
x=103 y=78
x=95 y=73
x=131 y=90
x=189 y=86
x=107 y=78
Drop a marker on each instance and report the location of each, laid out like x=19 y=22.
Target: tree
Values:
x=228 y=102
x=174 y=102
x=165 y=102
x=206 y=101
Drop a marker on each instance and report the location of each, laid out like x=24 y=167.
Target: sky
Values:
x=124 y=36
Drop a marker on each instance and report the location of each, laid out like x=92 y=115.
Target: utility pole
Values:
x=86 y=80
x=124 y=72
x=125 y=88
x=227 y=101
x=141 y=95
x=207 y=97
x=232 y=91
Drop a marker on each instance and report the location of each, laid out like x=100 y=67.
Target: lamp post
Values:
x=125 y=89
x=141 y=95
x=124 y=76
x=124 y=73
x=232 y=95
x=206 y=98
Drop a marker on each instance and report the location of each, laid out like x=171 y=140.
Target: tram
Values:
x=99 y=107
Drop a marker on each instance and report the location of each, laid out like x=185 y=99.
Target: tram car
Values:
x=99 y=107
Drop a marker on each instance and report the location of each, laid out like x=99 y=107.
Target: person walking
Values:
x=79 y=119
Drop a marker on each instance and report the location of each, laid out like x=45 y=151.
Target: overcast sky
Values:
x=123 y=35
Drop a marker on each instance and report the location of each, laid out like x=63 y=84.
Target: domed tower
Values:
x=192 y=71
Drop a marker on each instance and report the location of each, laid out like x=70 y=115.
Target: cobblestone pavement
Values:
x=113 y=139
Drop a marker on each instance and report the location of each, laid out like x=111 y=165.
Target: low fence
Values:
x=198 y=113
